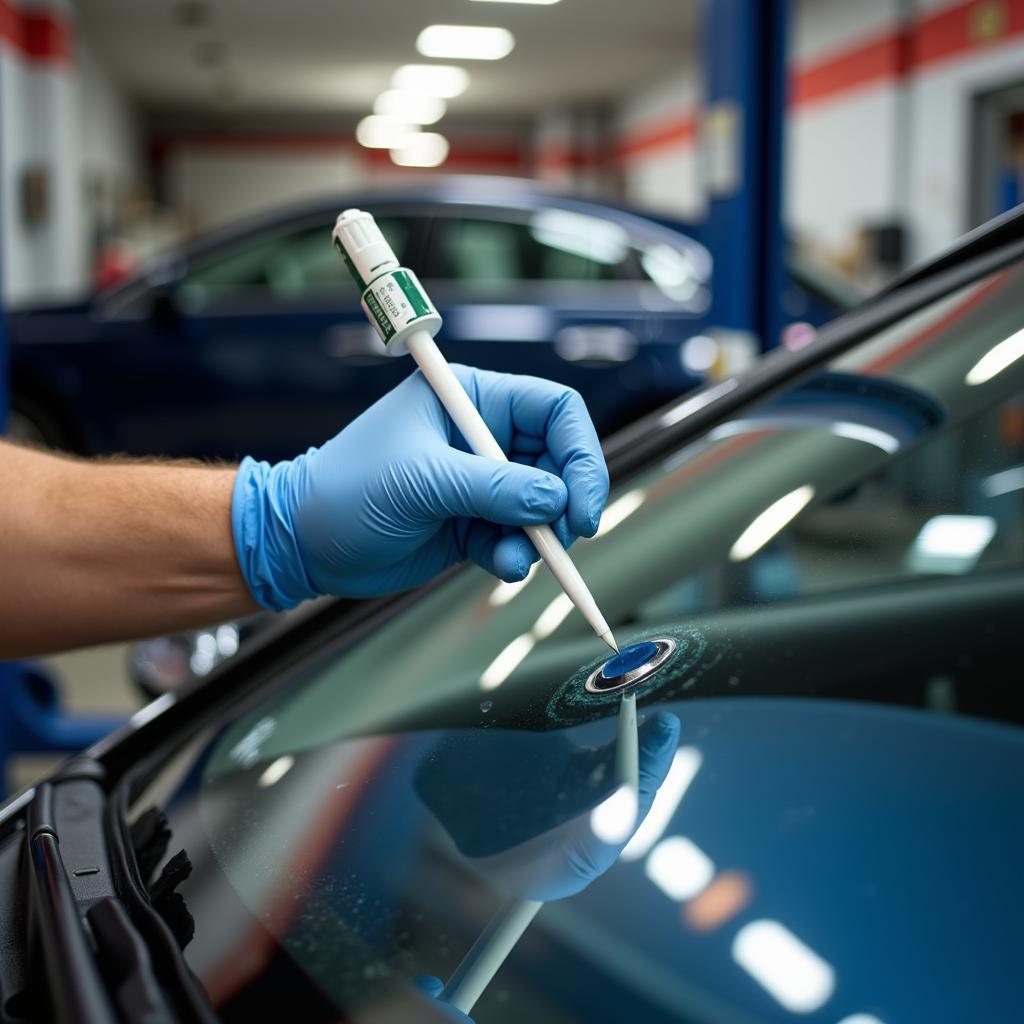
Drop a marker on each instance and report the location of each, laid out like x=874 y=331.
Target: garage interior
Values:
x=837 y=143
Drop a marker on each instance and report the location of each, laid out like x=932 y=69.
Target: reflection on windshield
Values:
x=847 y=560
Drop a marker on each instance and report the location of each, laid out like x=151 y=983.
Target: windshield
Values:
x=837 y=574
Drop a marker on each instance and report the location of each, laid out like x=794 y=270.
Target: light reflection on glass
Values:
x=619 y=511
x=579 y=234
x=869 y=435
x=552 y=616
x=862 y=1018
x=770 y=522
x=614 y=818
x=1003 y=483
x=504 y=592
x=997 y=359
x=276 y=770
x=790 y=971
x=697 y=402
x=685 y=765
x=951 y=544
x=679 y=868
x=507 y=661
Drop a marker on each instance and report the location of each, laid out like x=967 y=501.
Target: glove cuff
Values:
x=264 y=535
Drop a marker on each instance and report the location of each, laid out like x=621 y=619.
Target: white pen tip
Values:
x=610 y=640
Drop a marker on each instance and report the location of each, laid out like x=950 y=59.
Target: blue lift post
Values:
x=745 y=94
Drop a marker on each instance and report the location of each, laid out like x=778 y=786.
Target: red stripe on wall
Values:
x=967 y=26
x=875 y=61
x=505 y=159
x=955 y=32
x=42 y=36
x=680 y=131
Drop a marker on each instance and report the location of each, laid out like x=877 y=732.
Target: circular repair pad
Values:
x=680 y=668
x=631 y=665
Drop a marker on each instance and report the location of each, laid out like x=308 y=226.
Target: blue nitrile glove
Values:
x=433 y=988
x=521 y=805
x=397 y=497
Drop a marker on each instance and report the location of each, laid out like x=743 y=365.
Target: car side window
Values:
x=285 y=266
x=547 y=245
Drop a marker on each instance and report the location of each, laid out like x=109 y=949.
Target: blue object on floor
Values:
x=629 y=659
x=32 y=720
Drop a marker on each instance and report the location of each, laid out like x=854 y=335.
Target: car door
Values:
x=257 y=346
x=557 y=293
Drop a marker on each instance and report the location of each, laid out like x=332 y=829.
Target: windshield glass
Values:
x=836 y=578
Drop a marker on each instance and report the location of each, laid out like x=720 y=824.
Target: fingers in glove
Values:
x=501 y=492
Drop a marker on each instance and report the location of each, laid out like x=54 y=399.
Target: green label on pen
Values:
x=413 y=293
x=385 y=328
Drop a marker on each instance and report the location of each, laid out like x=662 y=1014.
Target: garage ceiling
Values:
x=336 y=55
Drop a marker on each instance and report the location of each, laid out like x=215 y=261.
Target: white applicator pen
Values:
x=406 y=320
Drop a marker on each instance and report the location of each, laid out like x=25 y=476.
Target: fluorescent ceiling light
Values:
x=424 y=149
x=613 y=819
x=504 y=592
x=619 y=511
x=376 y=132
x=442 y=80
x=411 y=107
x=679 y=868
x=506 y=662
x=276 y=770
x=770 y=522
x=997 y=359
x=951 y=544
x=685 y=765
x=469 y=42
x=798 y=979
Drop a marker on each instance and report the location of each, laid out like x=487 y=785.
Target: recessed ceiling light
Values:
x=443 y=80
x=424 y=149
x=472 y=42
x=411 y=107
x=376 y=132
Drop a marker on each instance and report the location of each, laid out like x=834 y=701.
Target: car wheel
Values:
x=29 y=423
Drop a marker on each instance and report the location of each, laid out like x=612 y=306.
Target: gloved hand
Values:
x=520 y=805
x=397 y=497
x=433 y=988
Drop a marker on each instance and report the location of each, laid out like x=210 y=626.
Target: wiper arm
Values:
x=96 y=964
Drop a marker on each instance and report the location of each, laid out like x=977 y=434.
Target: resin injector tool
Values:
x=406 y=320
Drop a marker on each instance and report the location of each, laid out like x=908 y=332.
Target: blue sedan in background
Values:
x=251 y=340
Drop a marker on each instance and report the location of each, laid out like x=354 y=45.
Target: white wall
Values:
x=212 y=185
x=658 y=152
x=64 y=117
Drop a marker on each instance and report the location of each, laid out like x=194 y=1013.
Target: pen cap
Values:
x=391 y=295
x=363 y=246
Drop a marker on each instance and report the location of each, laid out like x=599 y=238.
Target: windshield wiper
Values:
x=96 y=963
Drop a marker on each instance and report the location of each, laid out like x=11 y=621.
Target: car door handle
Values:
x=356 y=343
x=596 y=343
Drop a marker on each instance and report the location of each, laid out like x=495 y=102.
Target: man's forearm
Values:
x=100 y=551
